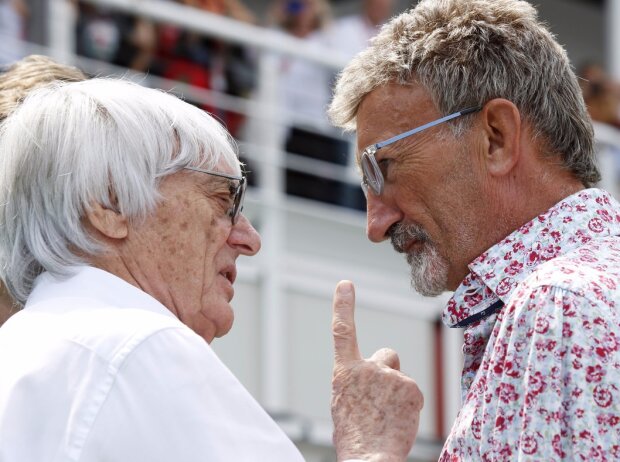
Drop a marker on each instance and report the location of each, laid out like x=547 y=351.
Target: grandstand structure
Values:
x=280 y=346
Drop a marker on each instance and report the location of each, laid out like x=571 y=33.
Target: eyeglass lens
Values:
x=238 y=200
x=372 y=176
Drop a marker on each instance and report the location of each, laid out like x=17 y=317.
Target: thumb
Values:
x=387 y=357
x=343 y=324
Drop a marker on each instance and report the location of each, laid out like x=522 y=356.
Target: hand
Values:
x=375 y=407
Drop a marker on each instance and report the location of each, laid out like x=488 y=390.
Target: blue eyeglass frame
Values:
x=372 y=178
x=239 y=193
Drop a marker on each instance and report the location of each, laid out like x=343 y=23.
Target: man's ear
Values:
x=109 y=222
x=502 y=125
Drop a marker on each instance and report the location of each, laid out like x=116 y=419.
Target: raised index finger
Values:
x=343 y=324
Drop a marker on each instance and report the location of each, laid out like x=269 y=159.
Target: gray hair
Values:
x=100 y=141
x=467 y=52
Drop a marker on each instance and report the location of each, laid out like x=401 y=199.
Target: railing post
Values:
x=612 y=18
x=453 y=365
x=61 y=28
x=272 y=223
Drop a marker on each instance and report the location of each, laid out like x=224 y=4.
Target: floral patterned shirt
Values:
x=541 y=379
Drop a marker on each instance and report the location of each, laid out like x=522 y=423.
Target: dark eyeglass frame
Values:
x=372 y=177
x=238 y=195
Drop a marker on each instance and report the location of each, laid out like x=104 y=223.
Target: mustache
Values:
x=401 y=234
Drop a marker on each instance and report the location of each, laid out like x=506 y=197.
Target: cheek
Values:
x=215 y=304
x=213 y=250
x=178 y=241
x=418 y=202
x=435 y=206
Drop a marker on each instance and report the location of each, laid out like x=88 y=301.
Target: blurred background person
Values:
x=350 y=34
x=304 y=90
x=16 y=82
x=173 y=52
x=602 y=96
x=207 y=62
x=122 y=39
x=303 y=85
x=13 y=17
x=235 y=9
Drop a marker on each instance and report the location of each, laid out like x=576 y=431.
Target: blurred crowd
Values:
x=304 y=88
x=170 y=51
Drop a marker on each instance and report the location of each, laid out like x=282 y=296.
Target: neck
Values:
x=540 y=189
x=513 y=203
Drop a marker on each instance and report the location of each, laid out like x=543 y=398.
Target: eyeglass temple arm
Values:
x=469 y=110
x=223 y=175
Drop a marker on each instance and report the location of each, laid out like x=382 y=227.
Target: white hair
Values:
x=99 y=141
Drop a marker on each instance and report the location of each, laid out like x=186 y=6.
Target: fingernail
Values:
x=345 y=288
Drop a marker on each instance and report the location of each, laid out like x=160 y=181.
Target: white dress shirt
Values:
x=93 y=369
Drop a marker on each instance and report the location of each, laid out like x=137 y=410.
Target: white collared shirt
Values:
x=93 y=369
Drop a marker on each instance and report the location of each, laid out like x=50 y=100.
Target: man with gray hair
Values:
x=477 y=158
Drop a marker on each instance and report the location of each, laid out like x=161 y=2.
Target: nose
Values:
x=244 y=237
x=380 y=215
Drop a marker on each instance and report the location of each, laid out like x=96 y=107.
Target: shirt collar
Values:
x=493 y=276
x=96 y=287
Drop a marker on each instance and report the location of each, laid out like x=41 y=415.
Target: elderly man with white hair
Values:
x=121 y=224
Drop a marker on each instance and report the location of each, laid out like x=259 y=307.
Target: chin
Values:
x=214 y=319
x=225 y=322
x=429 y=272
x=224 y=331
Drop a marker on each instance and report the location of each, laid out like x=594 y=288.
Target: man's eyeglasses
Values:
x=238 y=193
x=372 y=177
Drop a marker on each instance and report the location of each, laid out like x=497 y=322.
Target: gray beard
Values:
x=429 y=270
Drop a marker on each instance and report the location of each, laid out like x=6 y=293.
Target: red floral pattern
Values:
x=541 y=377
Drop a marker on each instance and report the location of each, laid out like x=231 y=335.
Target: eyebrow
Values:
x=380 y=155
x=212 y=184
x=217 y=174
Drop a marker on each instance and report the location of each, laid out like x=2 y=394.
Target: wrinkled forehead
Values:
x=389 y=110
